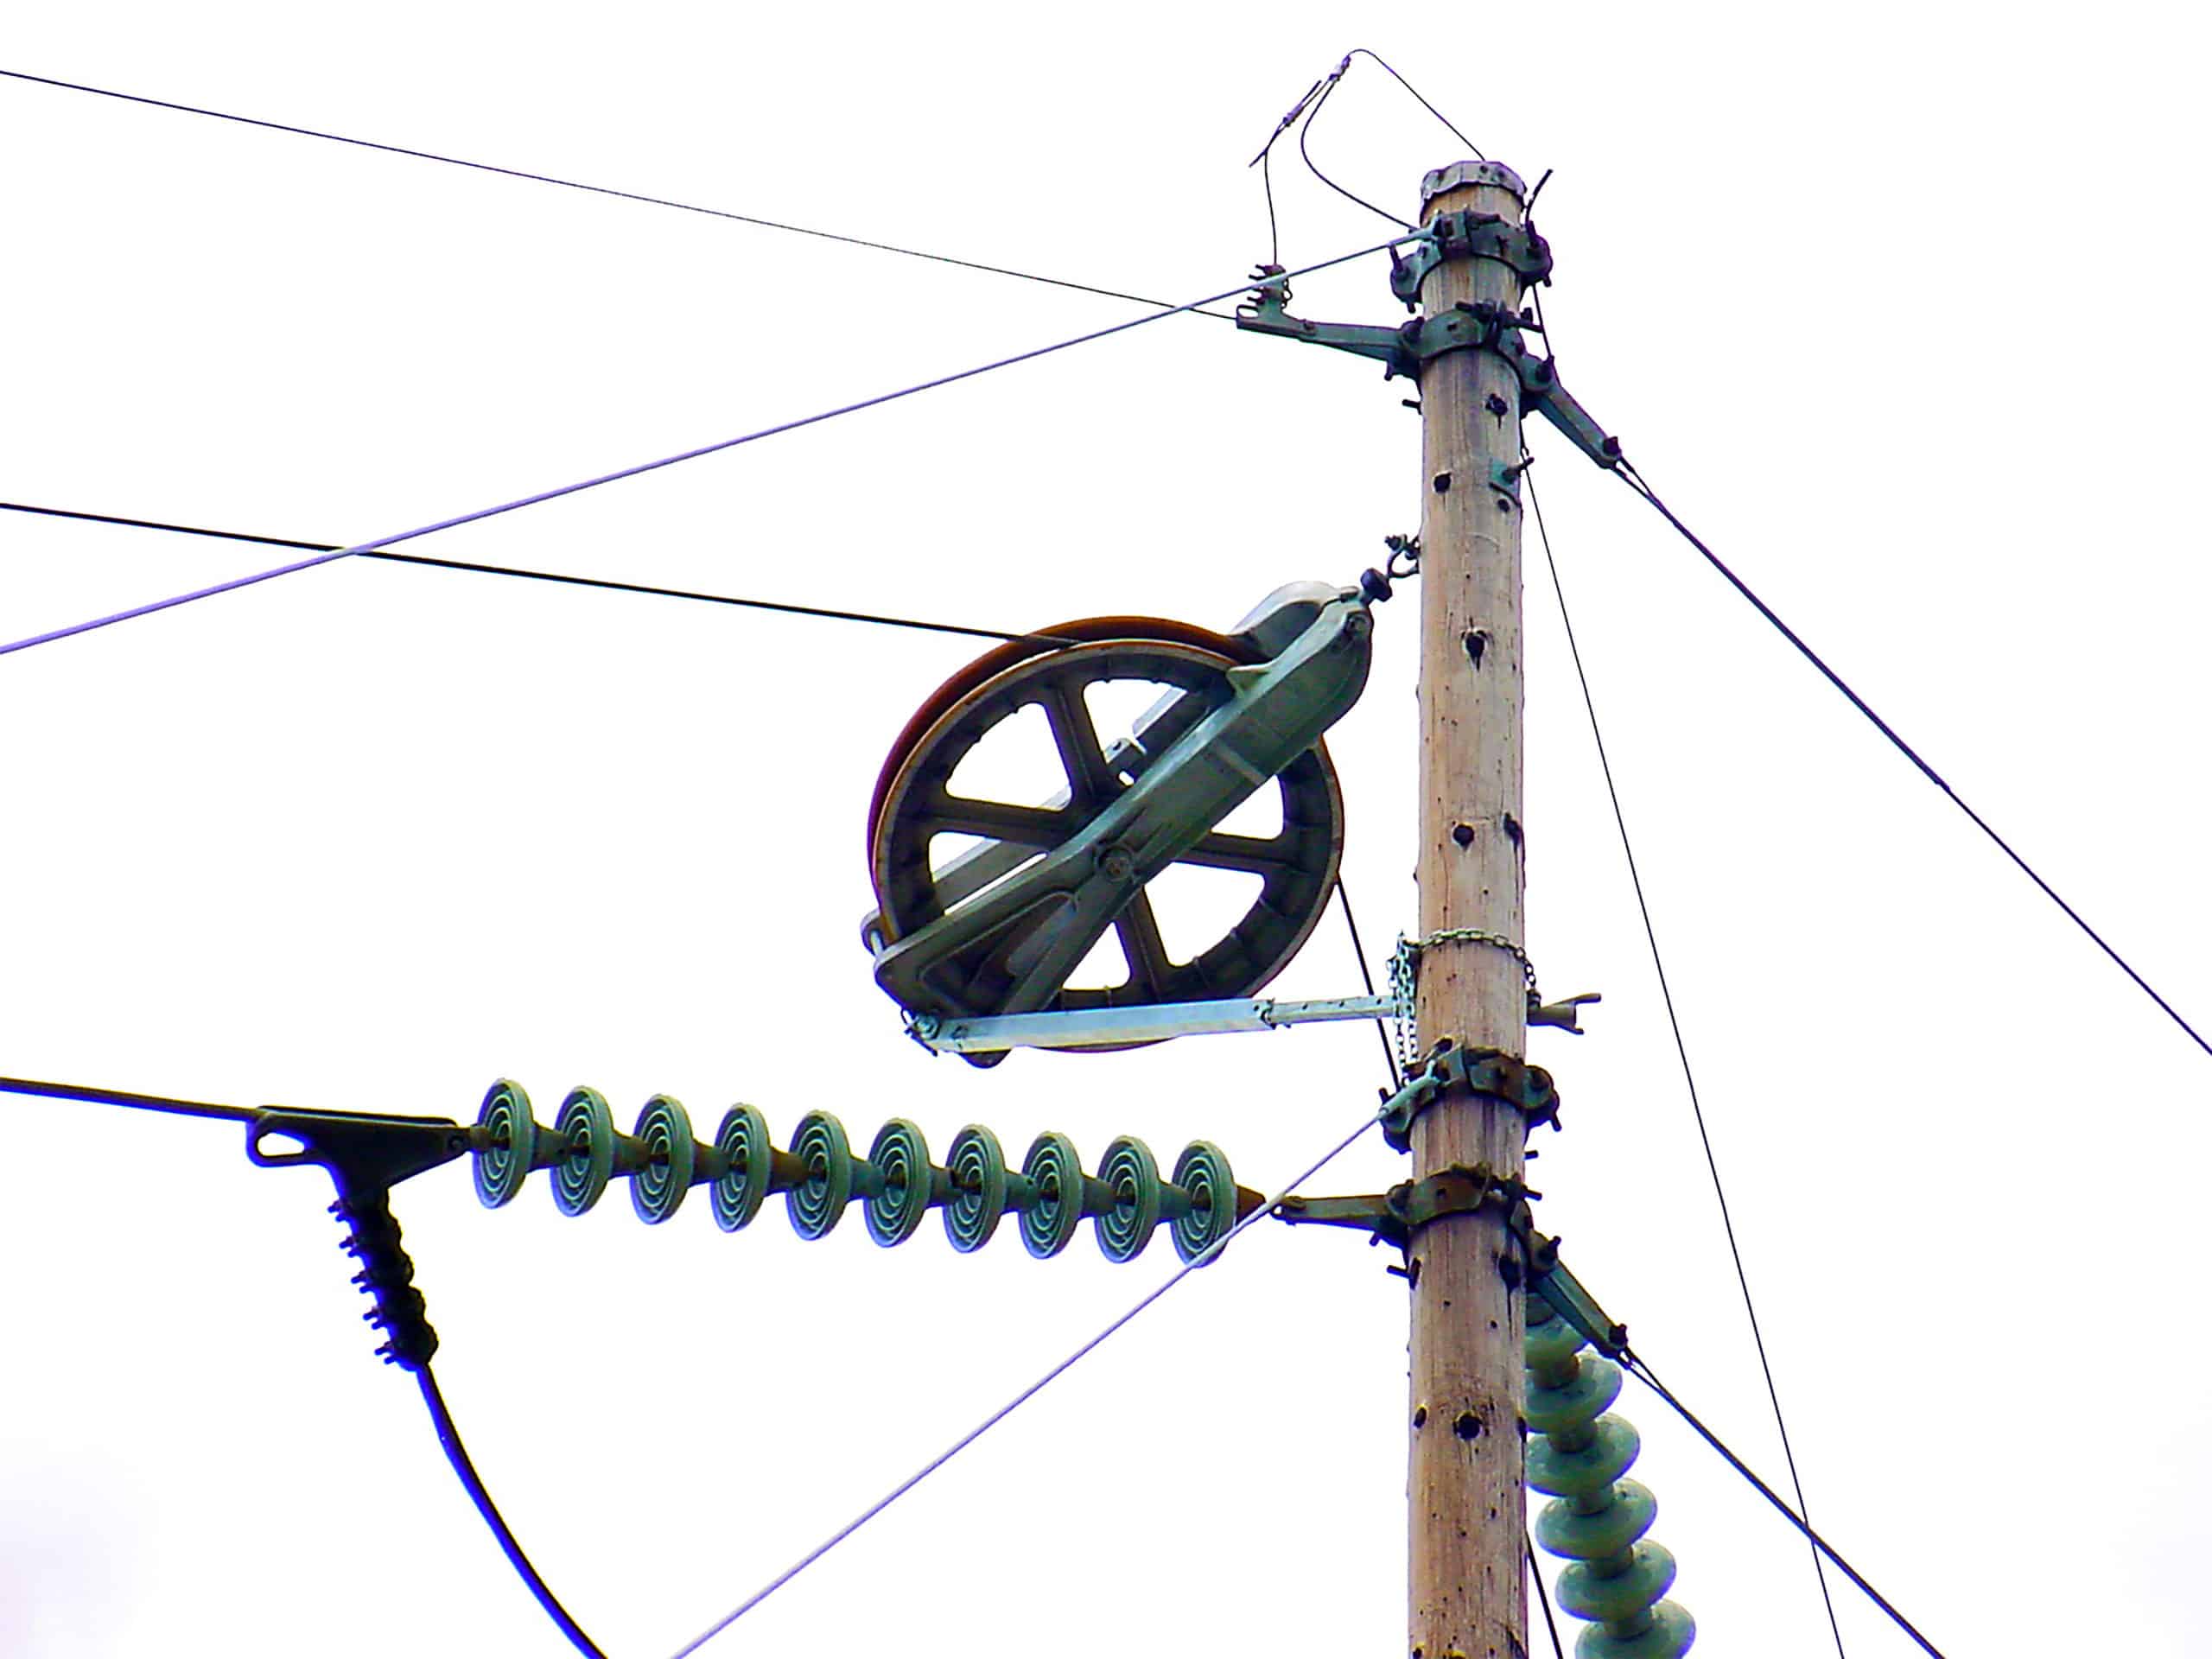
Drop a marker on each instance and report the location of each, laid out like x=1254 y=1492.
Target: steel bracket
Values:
x=1395 y=1216
x=1472 y=324
x=1471 y=235
x=1454 y=1070
x=1549 y=1279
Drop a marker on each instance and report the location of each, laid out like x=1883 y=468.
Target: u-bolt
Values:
x=1578 y=1453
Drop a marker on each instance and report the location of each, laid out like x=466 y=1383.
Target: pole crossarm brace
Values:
x=1396 y=1215
x=1469 y=325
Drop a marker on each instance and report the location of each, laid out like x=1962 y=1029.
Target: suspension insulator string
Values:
x=1579 y=1452
x=1126 y=1200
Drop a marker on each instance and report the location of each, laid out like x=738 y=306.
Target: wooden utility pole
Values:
x=1468 y=1590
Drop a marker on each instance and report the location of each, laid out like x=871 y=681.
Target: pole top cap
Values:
x=1459 y=175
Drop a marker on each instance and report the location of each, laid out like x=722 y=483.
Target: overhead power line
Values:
x=465 y=1467
x=655 y=465
x=593 y=189
x=1635 y=482
x=778 y=606
x=1266 y=1209
x=432 y=1398
x=1642 y=1374
x=1681 y=1048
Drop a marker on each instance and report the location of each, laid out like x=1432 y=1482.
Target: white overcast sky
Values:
x=1902 y=305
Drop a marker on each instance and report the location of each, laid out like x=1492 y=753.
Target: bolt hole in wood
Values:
x=1476 y=642
x=1512 y=827
x=1466 y=1426
x=1421 y=1416
x=1464 y=834
x=1441 y=483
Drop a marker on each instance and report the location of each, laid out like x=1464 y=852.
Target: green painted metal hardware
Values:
x=1470 y=235
x=1453 y=1068
x=1468 y=326
x=1395 y=1216
x=1402 y=351
x=1579 y=1454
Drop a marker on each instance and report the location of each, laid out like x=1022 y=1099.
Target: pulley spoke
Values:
x=1142 y=945
x=1224 y=852
x=1077 y=739
x=1030 y=826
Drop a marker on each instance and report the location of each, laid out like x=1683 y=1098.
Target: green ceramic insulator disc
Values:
x=1613 y=1446
x=1202 y=1172
x=1549 y=1342
x=739 y=1194
x=977 y=1166
x=1595 y=1386
x=1672 y=1632
x=902 y=1157
x=586 y=1129
x=1563 y=1529
x=1132 y=1174
x=1614 y=1600
x=670 y=1159
x=816 y=1203
x=1057 y=1168
x=510 y=1149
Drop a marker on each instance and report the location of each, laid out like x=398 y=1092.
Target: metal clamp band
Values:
x=1471 y=235
x=1487 y=1072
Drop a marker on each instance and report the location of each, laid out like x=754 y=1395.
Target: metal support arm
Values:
x=1406 y=349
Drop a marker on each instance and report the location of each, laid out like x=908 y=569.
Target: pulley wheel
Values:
x=914 y=804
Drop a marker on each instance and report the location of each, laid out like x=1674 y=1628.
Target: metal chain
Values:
x=1405 y=971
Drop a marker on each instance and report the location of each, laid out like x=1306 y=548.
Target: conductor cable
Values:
x=1631 y=477
x=655 y=465
x=592 y=189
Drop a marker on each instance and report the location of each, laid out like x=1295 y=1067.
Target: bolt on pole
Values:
x=1468 y=1589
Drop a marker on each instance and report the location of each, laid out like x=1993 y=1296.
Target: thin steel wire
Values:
x=655 y=465
x=1543 y=1595
x=1007 y=1410
x=592 y=189
x=1643 y=1374
x=121 y=1097
x=1359 y=954
x=777 y=606
x=1635 y=482
x=1321 y=89
x=465 y=1467
x=1682 y=1047
x=1305 y=155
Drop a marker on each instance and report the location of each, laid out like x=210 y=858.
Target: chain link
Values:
x=1405 y=971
